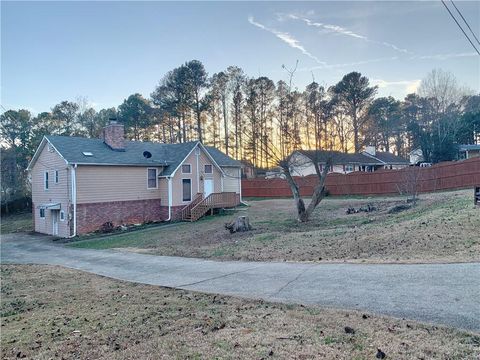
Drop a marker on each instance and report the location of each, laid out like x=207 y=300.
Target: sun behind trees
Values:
x=257 y=120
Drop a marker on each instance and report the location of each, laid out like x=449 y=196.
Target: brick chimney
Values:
x=113 y=135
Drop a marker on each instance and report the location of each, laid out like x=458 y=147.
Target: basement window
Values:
x=87 y=153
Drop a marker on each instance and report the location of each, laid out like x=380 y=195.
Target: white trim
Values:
x=211 y=158
x=206 y=153
x=186 y=173
x=156 y=179
x=39 y=150
x=191 y=195
x=221 y=181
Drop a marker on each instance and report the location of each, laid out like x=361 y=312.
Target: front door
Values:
x=55 y=216
x=207 y=187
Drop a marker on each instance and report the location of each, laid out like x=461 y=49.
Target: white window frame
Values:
x=62 y=215
x=56 y=177
x=205 y=168
x=46 y=179
x=191 y=185
x=156 y=179
x=349 y=168
x=190 y=165
x=40 y=213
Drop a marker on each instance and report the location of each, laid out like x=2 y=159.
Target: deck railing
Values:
x=213 y=201
x=186 y=210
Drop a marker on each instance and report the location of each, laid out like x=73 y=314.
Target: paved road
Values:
x=447 y=294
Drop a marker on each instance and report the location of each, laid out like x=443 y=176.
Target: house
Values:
x=301 y=161
x=80 y=185
x=416 y=156
x=468 y=151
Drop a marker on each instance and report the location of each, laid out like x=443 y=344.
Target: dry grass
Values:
x=443 y=227
x=16 y=223
x=51 y=312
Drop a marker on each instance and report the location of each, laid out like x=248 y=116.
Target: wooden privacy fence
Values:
x=443 y=176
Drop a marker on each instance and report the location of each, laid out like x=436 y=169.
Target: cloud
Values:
x=443 y=56
x=341 y=30
x=410 y=86
x=343 y=65
x=286 y=38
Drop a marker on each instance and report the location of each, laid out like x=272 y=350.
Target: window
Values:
x=42 y=213
x=186 y=169
x=152 y=179
x=56 y=176
x=87 y=153
x=187 y=189
x=349 y=168
x=45 y=178
x=208 y=169
x=62 y=215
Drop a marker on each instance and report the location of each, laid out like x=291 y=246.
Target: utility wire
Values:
x=464 y=33
x=469 y=28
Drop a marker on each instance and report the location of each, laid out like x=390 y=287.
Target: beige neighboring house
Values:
x=301 y=161
x=80 y=185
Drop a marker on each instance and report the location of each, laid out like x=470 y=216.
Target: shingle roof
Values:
x=168 y=155
x=339 y=157
x=390 y=158
x=221 y=158
x=354 y=158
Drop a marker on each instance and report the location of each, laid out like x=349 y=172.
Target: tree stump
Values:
x=240 y=224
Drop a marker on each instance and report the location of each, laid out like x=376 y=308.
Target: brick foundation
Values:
x=91 y=217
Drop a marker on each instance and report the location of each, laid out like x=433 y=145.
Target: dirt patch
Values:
x=51 y=312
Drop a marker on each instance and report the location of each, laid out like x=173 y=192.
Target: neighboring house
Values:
x=248 y=170
x=80 y=185
x=468 y=151
x=416 y=156
x=301 y=161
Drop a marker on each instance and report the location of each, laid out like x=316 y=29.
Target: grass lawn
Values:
x=51 y=312
x=16 y=223
x=442 y=227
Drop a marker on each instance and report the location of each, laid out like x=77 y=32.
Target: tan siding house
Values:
x=81 y=185
x=51 y=189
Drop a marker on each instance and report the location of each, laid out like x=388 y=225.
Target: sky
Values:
x=105 y=51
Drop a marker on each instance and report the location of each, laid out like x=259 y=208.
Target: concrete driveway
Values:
x=447 y=294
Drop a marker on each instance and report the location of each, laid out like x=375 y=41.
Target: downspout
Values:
x=197 y=153
x=169 y=199
x=74 y=199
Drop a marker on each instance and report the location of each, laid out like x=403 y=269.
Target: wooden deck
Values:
x=201 y=205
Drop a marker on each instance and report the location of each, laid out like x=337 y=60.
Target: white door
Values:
x=55 y=221
x=207 y=187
